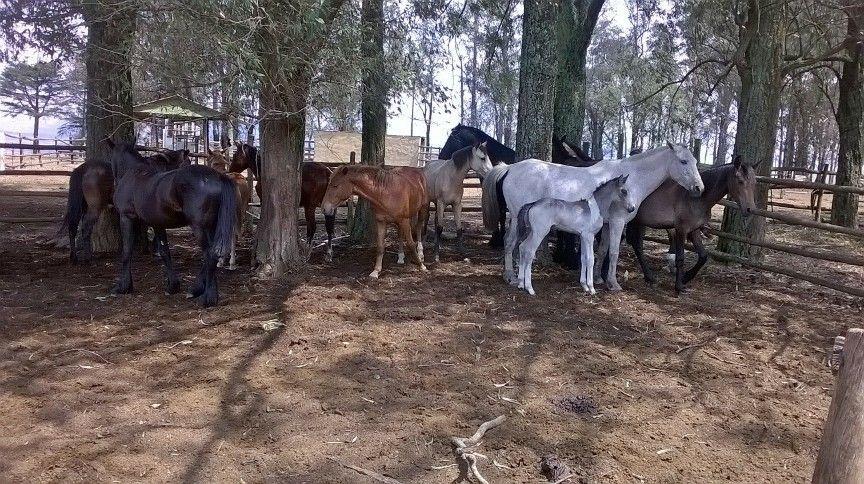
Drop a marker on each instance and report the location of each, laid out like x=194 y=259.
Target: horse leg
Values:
x=587 y=257
x=696 y=239
x=670 y=253
x=198 y=287
x=124 y=281
x=400 y=258
x=679 y=261
x=511 y=239
x=527 y=249
x=602 y=257
x=210 y=293
x=419 y=225
x=635 y=235
x=232 y=261
x=405 y=234
x=329 y=223
x=381 y=228
x=439 y=228
x=87 y=224
x=161 y=238
x=460 y=234
x=614 y=246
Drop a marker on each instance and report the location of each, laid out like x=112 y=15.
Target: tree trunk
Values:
x=758 y=108
x=574 y=28
x=373 y=108
x=474 y=121
x=108 y=111
x=850 y=123
x=723 y=126
x=537 y=74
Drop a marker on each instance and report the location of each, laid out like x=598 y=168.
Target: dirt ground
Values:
x=725 y=383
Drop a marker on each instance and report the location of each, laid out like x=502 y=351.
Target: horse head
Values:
x=244 y=157
x=684 y=169
x=339 y=189
x=742 y=185
x=565 y=154
x=480 y=161
x=217 y=160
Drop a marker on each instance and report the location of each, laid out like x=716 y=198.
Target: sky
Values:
x=399 y=123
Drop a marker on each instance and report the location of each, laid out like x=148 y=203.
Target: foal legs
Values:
x=329 y=222
x=527 y=251
x=381 y=228
x=124 y=281
x=161 y=238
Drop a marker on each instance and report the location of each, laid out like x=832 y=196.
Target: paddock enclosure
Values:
x=297 y=381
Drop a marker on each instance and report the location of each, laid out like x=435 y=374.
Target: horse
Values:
x=531 y=180
x=195 y=196
x=463 y=136
x=219 y=162
x=445 y=186
x=671 y=207
x=583 y=217
x=397 y=195
x=246 y=157
x=91 y=190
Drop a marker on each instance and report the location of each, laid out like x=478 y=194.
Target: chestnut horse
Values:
x=313 y=185
x=91 y=190
x=219 y=162
x=397 y=195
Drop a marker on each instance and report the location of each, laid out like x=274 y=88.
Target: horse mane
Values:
x=461 y=156
x=496 y=149
x=490 y=141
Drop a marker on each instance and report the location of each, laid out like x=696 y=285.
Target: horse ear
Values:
x=670 y=145
x=570 y=151
x=736 y=161
x=483 y=144
x=623 y=179
x=209 y=152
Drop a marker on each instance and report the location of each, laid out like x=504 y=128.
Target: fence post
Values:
x=841 y=454
x=820 y=178
x=2 y=151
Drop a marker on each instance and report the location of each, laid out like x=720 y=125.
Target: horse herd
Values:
x=660 y=188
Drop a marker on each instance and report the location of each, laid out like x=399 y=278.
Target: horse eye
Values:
x=683 y=162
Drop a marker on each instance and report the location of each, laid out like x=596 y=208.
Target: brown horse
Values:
x=219 y=162
x=91 y=190
x=672 y=207
x=398 y=195
x=246 y=157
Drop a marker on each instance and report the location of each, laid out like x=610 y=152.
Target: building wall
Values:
x=336 y=147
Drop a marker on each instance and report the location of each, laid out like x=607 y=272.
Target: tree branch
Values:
x=680 y=81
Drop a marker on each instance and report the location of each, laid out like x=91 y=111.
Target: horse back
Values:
x=97 y=183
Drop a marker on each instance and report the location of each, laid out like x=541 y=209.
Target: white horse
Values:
x=531 y=180
x=583 y=217
x=445 y=186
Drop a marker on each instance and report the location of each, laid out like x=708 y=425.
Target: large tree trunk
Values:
x=537 y=75
x=574 y=28
x=108 y=111
x=373 y=108
x=850 y=123
x=761 y=76
x=723 y=125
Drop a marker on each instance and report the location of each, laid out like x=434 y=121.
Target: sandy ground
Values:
x=725 y=383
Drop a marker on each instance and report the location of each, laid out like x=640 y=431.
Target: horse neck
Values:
x=716 y=183
x=648 y=173
x=363 y=184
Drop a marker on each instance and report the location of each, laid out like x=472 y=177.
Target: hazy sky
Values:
x=398 y=123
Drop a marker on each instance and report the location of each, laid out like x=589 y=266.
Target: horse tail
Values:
x=76 y=204
x=490 y=199
x=225 y=219
x=523 y=227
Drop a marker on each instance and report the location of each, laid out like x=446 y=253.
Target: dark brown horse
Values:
x=195 y=196
x=246 y=157
x=672 y=207
x=397 y=195
x=219 y=162
x=91 y=190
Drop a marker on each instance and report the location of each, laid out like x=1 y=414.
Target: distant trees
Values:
x=34 y=90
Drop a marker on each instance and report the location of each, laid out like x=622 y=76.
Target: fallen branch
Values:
x=465 y=452
x=366 y=472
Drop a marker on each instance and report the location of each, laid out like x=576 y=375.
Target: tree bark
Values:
x=108 y=111
x=373 y=108
x=574 y=29
x=850 y=123
x=761 y=76
x=537 y=75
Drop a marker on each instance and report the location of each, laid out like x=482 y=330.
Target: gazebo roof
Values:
x=176 y=108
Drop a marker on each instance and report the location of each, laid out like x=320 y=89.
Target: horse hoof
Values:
x=615 y=289
x=232 y=267
x=172 y=289
x=373 y=275
x=423 y=268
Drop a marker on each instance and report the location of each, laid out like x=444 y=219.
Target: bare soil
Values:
x=724 y=383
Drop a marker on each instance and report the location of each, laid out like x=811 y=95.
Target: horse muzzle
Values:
x=696 y=191
x=328 y=209
x=631 y=208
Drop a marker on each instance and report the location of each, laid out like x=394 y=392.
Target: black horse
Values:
x=562 y=153
x=91 y=190
x=196 y=196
